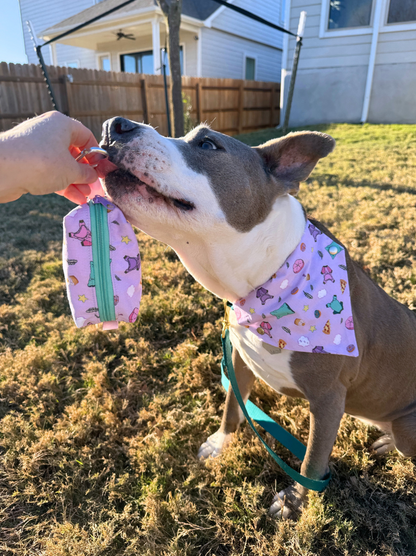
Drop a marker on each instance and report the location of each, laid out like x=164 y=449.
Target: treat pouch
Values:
x=102 y=265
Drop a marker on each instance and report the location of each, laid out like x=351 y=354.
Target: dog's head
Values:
x=206 y=182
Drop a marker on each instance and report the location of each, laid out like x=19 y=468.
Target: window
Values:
x=250 y=72
x=137 y=62
x=104 y=62
x=71 y=64
x=401 y=11
x=349 y=13
x=142 y=62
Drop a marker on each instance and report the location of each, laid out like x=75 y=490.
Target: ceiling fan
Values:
x=121 y=35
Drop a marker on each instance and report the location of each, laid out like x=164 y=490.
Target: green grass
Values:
x=99 y=430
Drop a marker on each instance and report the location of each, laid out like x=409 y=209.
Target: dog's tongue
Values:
x=104 y=167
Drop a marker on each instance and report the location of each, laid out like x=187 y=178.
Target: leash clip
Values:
x=226 y=320
x=92 y=150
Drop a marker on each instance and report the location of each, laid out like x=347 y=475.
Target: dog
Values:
x=229 y=212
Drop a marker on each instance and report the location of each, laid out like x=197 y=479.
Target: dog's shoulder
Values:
x=355 y=273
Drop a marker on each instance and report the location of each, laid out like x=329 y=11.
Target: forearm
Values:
x=14 y=168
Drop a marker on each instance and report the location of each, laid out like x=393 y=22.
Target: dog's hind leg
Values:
x=233 y=416
x=404 y=434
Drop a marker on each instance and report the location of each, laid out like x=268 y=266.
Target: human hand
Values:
x=38 y=157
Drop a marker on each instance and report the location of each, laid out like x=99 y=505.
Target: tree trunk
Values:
x=172 y=12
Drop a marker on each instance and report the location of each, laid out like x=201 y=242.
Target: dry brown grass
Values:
x=99 y=431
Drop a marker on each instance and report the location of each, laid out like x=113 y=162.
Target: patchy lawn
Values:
x=99 y=431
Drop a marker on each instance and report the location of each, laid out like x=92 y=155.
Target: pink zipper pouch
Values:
x=102 y=265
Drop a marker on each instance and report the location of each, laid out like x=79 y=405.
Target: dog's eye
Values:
x=207 y=145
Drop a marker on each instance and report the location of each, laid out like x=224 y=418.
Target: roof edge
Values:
x=218 y=11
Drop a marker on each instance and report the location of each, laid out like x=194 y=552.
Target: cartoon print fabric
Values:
x=306 y=304
x=80 y=271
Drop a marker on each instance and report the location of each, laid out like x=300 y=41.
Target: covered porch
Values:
x=142 y=51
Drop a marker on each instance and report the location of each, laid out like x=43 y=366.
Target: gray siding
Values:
x=223 y=56
x=240 y=25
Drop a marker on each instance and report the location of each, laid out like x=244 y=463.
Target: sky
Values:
x=11 y=33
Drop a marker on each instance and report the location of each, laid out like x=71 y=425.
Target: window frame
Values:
x=394 y=27
x=182 y=45
x=324 y=32
x=100 y=55
x=253 y=57
x=72 y=62
x=120 y=54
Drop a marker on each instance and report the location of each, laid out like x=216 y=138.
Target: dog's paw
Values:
x=287 y=504
x=214 y=445
x=383 y=445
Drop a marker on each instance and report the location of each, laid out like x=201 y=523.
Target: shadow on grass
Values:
x=335 y=181
x=367 y=513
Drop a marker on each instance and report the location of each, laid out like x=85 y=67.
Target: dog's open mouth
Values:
x=125 y=181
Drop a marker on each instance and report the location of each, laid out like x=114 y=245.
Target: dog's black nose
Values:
x=120 y=129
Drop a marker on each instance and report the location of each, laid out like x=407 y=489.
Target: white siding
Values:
x=44 y=14
x=223 y=56
x=233 y=22
x=396 y=48
x=328 y=52
x=190 y=48
x=332 y=73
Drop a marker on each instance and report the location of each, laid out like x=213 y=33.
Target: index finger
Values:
x=81 y=136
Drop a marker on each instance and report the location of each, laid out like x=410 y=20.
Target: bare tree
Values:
x=172 y=10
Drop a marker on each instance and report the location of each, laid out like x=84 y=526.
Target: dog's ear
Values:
x=292 y=158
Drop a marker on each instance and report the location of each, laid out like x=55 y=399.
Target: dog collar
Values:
x=306 y=304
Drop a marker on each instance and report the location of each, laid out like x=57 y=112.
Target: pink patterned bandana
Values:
x=306 y=305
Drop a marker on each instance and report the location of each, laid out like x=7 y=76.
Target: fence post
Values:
x=144 y=101
x=199 y=108
x=66 y=80
x=240 y=108
x=272 y=90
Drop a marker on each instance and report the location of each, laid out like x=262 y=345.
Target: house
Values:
x=215 y=41
x=357 y=62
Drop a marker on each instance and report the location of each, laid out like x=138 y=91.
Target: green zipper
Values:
x=100 y=239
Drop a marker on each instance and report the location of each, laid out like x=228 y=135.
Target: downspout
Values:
x=378 y=13
x=199 y=54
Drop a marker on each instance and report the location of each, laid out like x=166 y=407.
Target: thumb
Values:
x=84 y=173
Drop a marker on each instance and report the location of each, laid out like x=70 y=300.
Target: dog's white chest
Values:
x=267 y=362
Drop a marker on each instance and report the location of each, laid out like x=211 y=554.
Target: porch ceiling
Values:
x=135 y=18
x=93 y=37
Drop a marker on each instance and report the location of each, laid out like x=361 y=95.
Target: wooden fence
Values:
x=229 y=105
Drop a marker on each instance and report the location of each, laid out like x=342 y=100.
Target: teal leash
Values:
x=252 y=412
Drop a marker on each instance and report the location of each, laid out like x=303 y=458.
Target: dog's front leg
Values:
x=233 y=416
x=326 y=412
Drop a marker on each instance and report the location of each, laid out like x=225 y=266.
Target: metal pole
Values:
x=163 y=53
x=46 y=77
x=42 y=64
x=301 y=30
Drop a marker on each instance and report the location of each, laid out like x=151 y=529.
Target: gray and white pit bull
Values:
x=229 y=212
